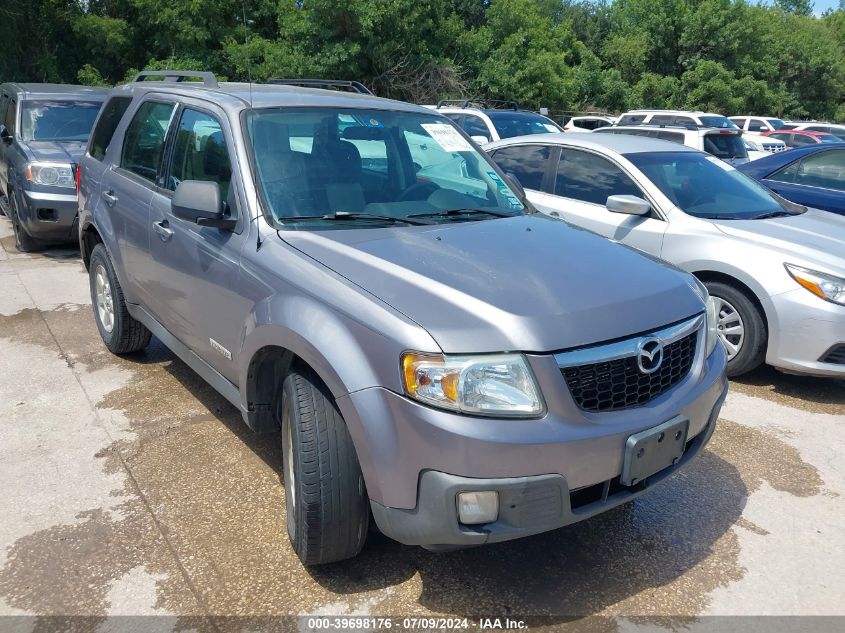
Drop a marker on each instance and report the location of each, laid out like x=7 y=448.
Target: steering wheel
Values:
x=414 y=191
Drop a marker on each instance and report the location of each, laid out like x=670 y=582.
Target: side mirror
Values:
x=200 y=201
x=513 y=183
x=630 y=205
x=481 y=140
x=5 y=136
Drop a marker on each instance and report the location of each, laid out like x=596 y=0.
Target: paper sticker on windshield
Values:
x=373 y=122
x=720 y=163
x=447 y=137
x=550 y=127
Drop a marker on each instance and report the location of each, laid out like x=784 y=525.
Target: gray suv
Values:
x=440 y=359
x=43 y=131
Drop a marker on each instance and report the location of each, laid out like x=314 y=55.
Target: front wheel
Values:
x=327 y=506
x=24 y=242
x=740 y=326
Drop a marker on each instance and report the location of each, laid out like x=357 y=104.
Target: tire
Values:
x=327 y=506
x=120 y=332
x=4 y=202
x=736 y=308
x=24 y=242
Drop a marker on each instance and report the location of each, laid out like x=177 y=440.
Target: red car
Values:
x=802 y=138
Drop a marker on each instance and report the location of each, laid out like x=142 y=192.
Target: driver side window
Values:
x=200 y=152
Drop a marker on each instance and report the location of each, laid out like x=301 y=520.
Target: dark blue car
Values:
x=813 y=176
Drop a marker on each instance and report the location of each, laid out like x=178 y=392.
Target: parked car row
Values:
x=445 y=350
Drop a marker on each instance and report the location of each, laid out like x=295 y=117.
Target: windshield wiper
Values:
x=775 y=214
x=717 y=216
x=349 y=215
x=455 y=212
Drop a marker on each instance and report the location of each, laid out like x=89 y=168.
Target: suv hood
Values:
x=59 y=151
x=529 y=283
x=814 y=237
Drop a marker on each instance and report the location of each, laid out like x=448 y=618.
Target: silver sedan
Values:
x=775 y=269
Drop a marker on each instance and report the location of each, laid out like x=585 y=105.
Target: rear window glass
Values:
x=717 y=121
x=510 y=124
x=112 y=113
x=58 y=120
x=725 y=146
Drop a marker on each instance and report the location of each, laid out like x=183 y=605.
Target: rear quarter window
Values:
x=110 y=117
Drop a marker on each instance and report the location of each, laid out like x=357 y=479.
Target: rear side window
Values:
x=143 y=144
x=474 y=126
x=739 y=122
x=527 y=162
x=755 y=126
x=818 y=128
x=801 y=140
x=630 y=119
x=200 y=153
x=590 y=178
x=110 y=117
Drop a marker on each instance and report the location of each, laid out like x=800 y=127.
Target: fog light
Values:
x=478 y=507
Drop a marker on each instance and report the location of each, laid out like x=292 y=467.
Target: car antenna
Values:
x=249 y=79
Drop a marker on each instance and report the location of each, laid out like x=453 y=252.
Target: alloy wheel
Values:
x=729 y=326
x=103 y=295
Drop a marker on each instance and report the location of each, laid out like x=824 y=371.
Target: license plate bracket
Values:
x=650 y=451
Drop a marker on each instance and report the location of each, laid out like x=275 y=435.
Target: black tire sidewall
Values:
x=288 y=417
x=23 y=241
x=100 y=256
x=753 y=350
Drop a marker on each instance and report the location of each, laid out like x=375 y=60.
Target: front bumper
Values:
x=415 y=457
x=802 y=329
x=49 y=217
x=527 y=505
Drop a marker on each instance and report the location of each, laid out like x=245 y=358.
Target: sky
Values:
x=820 y=6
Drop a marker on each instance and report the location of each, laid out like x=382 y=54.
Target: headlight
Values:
x=822 y=285
x=50 y=174
x=712 y=326
x=499 y=385
x=712 y=336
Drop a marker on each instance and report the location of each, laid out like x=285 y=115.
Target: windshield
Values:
x=365 y=167
x=717 y=121
x=725 y=146
x=509 y=124
x=706 y=187
x=776 y=124
x=58 y=120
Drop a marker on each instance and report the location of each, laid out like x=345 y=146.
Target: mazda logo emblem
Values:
x=649 y=355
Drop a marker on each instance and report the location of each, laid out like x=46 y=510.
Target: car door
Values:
x=196 y=268
x=582 y=182
x=530 y=165
x=817 y=180
x=127 y=189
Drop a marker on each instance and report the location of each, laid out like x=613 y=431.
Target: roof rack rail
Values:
x=209 y=80
x=491 y=104
x=683 y=126
x=351 y=86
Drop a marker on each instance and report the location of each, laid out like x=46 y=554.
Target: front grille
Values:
x=771 y=147
x=835 y=355
x=619 y=383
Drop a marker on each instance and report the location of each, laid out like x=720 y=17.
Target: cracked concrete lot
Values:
x=129 y=487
